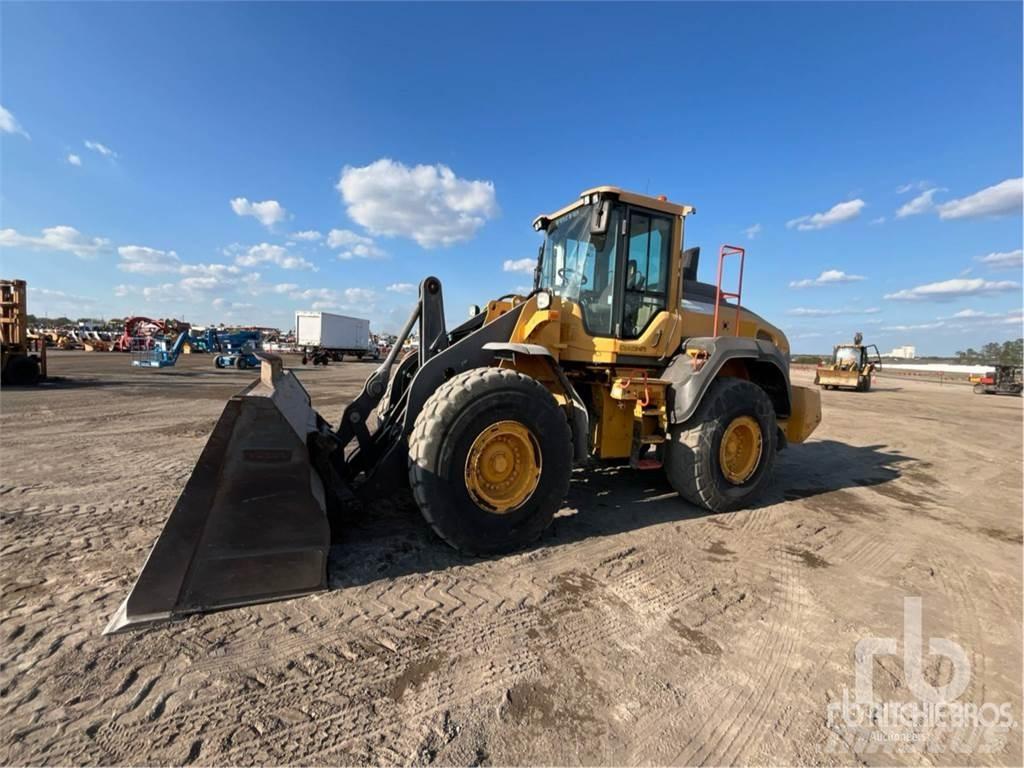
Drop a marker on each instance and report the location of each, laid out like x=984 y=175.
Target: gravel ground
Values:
x=640 y=630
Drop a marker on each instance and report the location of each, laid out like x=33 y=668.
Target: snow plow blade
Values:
x=251 y=524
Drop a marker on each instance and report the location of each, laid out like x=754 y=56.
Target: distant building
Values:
x=906 y=352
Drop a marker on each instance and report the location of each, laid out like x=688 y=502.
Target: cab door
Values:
x=645 y=268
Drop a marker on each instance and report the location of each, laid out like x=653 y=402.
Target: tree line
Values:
x=1007 y=353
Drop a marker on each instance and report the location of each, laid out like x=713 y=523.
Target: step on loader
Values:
x=618 y=352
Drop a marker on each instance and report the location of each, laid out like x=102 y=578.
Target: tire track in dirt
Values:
x=574 y=635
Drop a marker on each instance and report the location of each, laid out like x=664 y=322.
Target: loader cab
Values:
x=855 y=357
x=612 y=255
x=848 y=357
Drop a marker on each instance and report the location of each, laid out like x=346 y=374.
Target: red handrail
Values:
x=729 y=250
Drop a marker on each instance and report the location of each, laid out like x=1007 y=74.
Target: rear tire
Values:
x=241 y=363
x=460 y=414
x=694 y=449
x=217 y=363
x=22 y=372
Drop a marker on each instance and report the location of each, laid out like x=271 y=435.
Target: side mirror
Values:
x=540 y=265
x=474 y=310
x=600 y=216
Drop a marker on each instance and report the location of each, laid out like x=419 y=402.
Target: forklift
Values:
x=1004 y=380
x=22 y=357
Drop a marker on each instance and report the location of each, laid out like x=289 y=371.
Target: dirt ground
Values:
x=640 y=630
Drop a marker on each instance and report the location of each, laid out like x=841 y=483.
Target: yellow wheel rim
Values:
x=503 y=467
x=740 y=451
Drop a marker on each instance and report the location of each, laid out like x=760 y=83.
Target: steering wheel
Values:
x=561 y=276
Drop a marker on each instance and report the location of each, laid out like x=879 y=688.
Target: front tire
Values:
x=722 y=457
x=489 y=460
x=22 y=372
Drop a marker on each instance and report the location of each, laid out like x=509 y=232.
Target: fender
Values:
x=580 y=421
x=690 y=380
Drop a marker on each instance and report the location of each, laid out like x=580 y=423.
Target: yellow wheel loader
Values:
x=618 y=352
x=851 y=367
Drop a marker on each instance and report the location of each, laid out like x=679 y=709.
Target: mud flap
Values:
x=251 y=524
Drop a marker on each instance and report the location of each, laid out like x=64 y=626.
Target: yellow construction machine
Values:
x=851 y=367
x=22 y=354
x=618 y=352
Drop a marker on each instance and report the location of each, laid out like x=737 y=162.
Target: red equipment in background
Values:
x=126 y=343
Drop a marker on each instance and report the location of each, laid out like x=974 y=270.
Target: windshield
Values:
x=580 y=266
x=850 y=355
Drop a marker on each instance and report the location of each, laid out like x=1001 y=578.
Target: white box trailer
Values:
x=336 y=335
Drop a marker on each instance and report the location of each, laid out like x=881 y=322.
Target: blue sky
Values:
x=160 y=159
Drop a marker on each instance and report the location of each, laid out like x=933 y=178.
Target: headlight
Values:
x=543 y=300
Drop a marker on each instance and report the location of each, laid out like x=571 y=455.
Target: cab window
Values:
x=646 y=278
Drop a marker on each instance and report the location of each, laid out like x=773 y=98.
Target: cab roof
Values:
x=661 y=203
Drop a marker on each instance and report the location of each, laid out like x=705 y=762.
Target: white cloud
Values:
x=10 y=124
x=972 y=314
x=60 y=238
x=203 y=284
x=976 y=317
x=879 y=220
x=426 y=203
x=265 y=253
x=402 y=288
x=837 y=213
x=143 y=260
x=1000 y=199
x=227 y=305
x=202 y=278
x=197 y=281
x=328 y=298
x=352 y=245
x=915 y=327
x=828 y=277
x=268 y=212
x=310 y=235
x=831 y=311
x=519 y=265
x=920 y=204
x=74 y=159
x=947 y=290
x=102 y=149
x=223 y=271
x=359 y=295
x=62 y=299
x=285 y=288
x=164 y=292
x=753 y=231
x=902 y=189
x=1004 y=260
x=323 y=294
